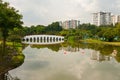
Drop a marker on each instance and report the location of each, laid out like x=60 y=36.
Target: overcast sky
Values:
x=45 y=12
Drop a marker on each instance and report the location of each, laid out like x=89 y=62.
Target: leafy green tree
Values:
x=33 y=30
x=26 y=30
x=64 y=32
x=117 y=29
x=40 y=29
x=101 y=31
x=53 y=28
x=9 y=19
x=106 y=26
x=110 y=34
x=15 y=35
x=89 y=27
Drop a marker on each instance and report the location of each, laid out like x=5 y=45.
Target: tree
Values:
x=53 y=28
x=101 y=31
x=64 y=32
x=40 y=29
x=9 y=19
x=110 y=34
x=117 y=29
x=15 y=35
x=26 y=30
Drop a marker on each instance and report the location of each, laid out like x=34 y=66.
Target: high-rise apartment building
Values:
x=102 y=18
x=70 y=24
x=115 y=19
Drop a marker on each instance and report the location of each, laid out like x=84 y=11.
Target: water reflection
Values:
x=7 y=76
x=114 y=53
x=102 y=52
x=69 y=62
x=96 y=55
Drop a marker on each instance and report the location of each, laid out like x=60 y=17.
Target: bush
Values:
x=18 y=60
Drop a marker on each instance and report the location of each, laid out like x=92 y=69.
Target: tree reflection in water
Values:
x=7 y=76
x=101 y=52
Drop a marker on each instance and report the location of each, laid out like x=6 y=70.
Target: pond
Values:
x=69 y=61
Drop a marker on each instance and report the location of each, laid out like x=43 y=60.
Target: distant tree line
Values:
x=104 y=32
x=84 y=31
x=51 y=29
x=17 y=33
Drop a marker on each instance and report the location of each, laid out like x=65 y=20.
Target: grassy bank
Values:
x=15 y=45
x=100 y=42
x=13 y=57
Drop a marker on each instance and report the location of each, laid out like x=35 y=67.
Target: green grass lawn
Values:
x=18 y=46
x=100 y=42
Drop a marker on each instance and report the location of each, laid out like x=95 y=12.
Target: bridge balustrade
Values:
x=42 y=39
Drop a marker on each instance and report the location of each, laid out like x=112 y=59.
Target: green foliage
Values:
x=71 y=39
x=101 y=31
x=39 y=29
x=54 y=26
x=117 y=29
x=64 y=32
x=18 y=60
x=15 y=35
x=84 y=31
x=9 y=19
x=87 y=26
x=110 y=34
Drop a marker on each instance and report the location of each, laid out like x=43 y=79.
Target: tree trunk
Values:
x=4 y=45
x=4 y=34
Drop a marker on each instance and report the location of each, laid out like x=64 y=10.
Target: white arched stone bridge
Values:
x=42 y=39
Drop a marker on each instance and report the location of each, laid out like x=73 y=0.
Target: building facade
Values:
x=115 y=19
x=70 y=24
x=102 y=18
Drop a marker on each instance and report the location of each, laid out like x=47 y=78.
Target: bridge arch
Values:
x=42 y=39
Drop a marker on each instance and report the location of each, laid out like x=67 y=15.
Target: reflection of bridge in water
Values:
x=42 y=39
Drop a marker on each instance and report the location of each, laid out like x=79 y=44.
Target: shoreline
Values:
x=93 y=41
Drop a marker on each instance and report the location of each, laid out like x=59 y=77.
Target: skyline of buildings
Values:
x=104 y=18
x=98 y=19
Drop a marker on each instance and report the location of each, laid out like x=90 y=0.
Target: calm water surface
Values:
x=69 y=63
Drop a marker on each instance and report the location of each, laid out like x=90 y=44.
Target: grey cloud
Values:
x=46 y=11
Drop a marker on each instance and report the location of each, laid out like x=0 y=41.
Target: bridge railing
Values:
x=42 y=39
